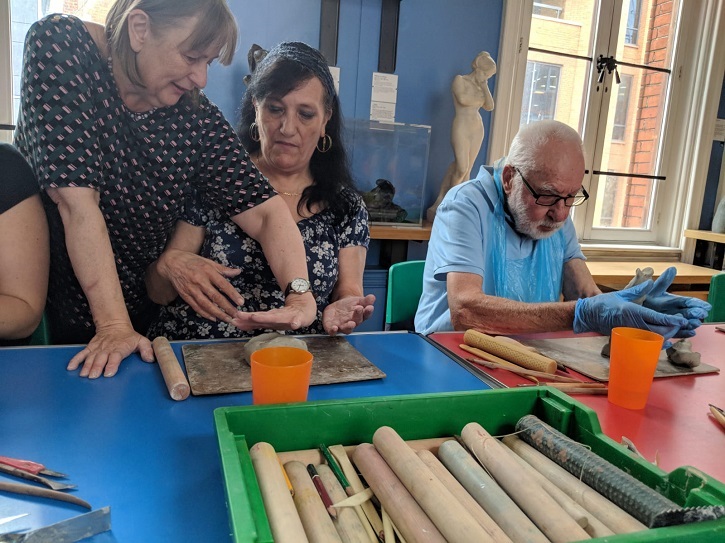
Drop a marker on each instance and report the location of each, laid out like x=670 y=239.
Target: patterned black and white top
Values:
x=323 y=234
x=74 y=130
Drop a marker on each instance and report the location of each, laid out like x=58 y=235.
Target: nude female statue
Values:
x=470 y=93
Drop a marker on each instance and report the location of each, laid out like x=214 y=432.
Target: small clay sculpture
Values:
x=254 y=57
x=681 y=354
x=640 y=276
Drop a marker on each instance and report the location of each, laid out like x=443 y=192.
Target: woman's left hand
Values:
x=299 y=310
x=343 y=315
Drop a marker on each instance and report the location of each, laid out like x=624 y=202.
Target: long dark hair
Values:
x=285 y=68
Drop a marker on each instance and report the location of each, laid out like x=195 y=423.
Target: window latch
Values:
x=610 y=65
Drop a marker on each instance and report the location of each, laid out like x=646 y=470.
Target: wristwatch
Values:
x=297 y=286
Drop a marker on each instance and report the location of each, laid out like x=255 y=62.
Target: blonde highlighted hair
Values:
x=216 y=26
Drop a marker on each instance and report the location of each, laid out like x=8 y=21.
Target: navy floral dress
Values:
x=323 y=234
x=75 y=131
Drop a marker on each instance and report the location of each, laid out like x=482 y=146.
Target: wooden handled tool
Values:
x=278 y=503
x=32 y=490
x=527 y=493
x=455 y=523
x=174 y=377
x=510 y=351
x=348 y=524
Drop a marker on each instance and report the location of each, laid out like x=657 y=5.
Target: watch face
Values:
x=300 y=285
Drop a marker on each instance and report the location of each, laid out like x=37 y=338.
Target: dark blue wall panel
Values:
x=436 y=41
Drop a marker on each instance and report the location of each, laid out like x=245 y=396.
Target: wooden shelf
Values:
x=706 y=235
x=410 y=233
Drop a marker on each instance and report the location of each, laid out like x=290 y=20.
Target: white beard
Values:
x=522 y=223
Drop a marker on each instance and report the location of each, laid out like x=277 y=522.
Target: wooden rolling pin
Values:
x=315 y=518
x=281 y=511
x=453 y=521
x=538 y=505
x=174 y=377
x=510 y=351
x=411 y=520
x=348 y=524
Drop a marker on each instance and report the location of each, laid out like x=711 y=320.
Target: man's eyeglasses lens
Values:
x=549 y=200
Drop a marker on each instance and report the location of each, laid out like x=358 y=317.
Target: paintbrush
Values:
x=718 y=413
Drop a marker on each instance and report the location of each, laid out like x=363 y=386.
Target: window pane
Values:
x=23 y=13
x=555 y=88
x=563 y=26
x=623 y=202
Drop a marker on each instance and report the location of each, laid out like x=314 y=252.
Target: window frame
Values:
x=698 y=66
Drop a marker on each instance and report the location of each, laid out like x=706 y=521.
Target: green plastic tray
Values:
x=305 y=425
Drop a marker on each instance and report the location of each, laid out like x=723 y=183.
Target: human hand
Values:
x=693 y=309
x=603 y=312
x=202 y=283
x=112 y=343
x=299 y=310
x=343 y=315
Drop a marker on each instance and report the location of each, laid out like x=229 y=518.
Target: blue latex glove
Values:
x=693 y=309
x=603 y=312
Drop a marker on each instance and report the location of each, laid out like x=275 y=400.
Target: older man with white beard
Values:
x=503 y=253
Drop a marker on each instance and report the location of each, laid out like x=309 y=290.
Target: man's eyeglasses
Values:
x=549 y=200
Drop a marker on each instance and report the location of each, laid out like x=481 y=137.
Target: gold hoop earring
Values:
x=326 y=141
x=254 y=131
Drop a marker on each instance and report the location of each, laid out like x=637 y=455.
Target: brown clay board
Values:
x=220 y=369
x=582 y=354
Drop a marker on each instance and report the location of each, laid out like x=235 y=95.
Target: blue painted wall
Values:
x=436 y=41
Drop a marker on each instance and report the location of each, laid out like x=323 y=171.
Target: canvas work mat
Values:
x=219 y=368
x=582 y=354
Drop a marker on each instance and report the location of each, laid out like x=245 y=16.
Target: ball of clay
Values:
x=271 y=339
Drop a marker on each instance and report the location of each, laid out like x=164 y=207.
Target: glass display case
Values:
x=390 y=164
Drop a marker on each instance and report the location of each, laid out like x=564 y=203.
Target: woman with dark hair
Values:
x=117 y=132
x=292 y=128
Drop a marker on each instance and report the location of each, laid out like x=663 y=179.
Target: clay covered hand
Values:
x=693 y=309
x=603 y=312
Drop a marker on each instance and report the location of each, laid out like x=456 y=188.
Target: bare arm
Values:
x=201 y=282
x=349 y=308
x=91 y=255
x=272 y=225
x=24 y=258
x=577 y=281
x=471 y=308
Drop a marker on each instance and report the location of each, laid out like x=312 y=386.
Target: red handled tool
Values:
x=31 y=467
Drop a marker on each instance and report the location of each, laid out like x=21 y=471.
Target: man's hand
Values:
x=202 y=283
x=300 y=310
x=693 y=309
x=603 y=312
x=342 y=316
x=112 y=343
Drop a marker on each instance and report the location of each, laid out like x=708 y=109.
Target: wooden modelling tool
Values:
x=280 y=507
x=410 y=519
x=367 y=509
x=174 y=377
x=463 y=497
x=455 y=523
x=718 y=413
x=616 y=519
x=315 y=518
x=530 y=497
x=348 y=524
x=479 y=484
x=509 y=351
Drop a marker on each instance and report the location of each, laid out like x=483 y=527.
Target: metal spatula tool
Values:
x=66 y=531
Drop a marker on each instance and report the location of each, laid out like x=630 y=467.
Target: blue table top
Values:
x=153 y=460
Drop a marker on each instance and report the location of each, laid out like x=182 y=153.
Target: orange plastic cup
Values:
x=280 y=375
x=632 y=364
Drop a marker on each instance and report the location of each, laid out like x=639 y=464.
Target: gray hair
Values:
x=216 y=26
x=532 y=137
